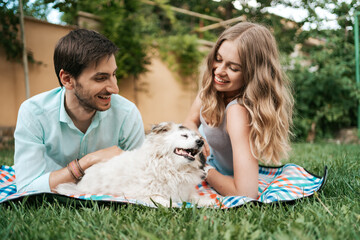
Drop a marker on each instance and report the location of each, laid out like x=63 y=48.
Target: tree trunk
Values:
x=25 y=59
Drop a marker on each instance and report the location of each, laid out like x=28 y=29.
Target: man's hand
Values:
x=99 y=156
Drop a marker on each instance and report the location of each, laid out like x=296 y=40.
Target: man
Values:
x=62 y=132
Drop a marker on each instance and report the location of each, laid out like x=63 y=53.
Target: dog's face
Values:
x=186 y=145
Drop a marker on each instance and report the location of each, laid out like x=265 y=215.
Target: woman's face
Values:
x=227 y=77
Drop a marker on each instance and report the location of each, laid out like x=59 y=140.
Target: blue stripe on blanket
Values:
x=276 y=184
x=7 y=185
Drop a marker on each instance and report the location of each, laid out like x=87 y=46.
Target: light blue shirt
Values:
x=46 y=139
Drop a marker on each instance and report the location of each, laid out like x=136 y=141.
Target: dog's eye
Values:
x=185 y=135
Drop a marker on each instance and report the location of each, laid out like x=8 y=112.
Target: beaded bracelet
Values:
x=79 y=167
x=72 y=174
x=75 y=170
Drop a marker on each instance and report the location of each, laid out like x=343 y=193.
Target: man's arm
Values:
x=29 y=161
x=63 y=175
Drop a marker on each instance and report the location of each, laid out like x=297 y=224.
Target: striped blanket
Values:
x=286 y=183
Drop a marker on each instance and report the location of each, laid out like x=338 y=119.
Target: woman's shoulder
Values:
x=237 y=121
x=233 y=102
x=235 y=105
x=235 y=112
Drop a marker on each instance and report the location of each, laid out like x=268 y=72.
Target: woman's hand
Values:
x=192 y=121
x=206 y=149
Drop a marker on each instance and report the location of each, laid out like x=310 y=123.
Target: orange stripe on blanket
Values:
x=10 y=179
x=303 y=172
x=281 y=180
x=213 y=196
x=290 y=188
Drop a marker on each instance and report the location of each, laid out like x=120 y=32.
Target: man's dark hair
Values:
x=79 y=49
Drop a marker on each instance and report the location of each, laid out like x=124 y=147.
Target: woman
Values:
x=244 y=108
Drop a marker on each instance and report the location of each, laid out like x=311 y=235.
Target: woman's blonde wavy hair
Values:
x=265 y=92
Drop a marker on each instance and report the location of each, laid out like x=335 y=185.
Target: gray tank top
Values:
x=220 y=144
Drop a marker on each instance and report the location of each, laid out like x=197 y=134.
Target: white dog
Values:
x=167 y=166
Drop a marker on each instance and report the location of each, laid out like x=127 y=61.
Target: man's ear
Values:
x=66 y=79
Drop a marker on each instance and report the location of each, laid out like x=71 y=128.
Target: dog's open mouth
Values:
x=187 y=153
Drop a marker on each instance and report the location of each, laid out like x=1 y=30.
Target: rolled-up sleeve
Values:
x=29 y=161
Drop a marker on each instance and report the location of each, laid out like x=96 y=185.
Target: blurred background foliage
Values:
x=322 y=75
x=9 y=31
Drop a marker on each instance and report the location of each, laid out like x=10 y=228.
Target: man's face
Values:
x=94 y=86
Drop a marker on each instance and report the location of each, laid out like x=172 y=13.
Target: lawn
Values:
x=333 y=214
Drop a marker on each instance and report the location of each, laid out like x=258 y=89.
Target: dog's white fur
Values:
x=153 y=172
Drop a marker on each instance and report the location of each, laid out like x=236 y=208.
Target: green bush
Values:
x=182 y=53
x=120 y=24
x=325 y=92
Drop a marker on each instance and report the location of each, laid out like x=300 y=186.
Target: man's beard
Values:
x=85 y=101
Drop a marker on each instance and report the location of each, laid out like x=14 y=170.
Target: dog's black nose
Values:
x=199 y=142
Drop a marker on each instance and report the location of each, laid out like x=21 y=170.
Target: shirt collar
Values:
x=63 y=117
x=99 y=115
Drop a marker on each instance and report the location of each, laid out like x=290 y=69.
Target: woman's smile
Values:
x=219 y=80
x=227 y=74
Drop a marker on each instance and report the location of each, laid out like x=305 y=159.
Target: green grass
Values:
x=333 y=214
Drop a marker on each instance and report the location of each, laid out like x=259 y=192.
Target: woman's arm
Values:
x=246 y=170
x=192 y=121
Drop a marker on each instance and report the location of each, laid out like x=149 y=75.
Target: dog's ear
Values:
x=161 y=127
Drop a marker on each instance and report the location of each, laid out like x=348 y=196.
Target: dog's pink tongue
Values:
x=182 y=152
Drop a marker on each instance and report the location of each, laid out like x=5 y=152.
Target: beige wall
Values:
x=162 y=96
x=41 y=38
